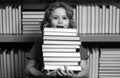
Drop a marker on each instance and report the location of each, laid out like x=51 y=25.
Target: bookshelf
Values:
x=110 y=40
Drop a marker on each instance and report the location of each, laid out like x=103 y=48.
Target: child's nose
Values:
x=60 y=21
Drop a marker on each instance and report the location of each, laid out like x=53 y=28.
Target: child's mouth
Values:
x=59 y=27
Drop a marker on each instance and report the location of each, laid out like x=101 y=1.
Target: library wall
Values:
x=91 y=19
x=103 y=59
x=13 y=59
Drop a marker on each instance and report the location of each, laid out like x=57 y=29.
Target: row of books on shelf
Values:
x=104 y=62
x=31 y=21
x=90 y=19
x=12 y=63
x=61 y=49
x=93 y=62
x=10 y=19
x=109 y=64
x=97 y=19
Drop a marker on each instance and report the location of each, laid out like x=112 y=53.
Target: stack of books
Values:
x=31 y=21
x=61 y=48
x=109 y=63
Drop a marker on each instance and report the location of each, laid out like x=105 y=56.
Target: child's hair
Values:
x=52 y=7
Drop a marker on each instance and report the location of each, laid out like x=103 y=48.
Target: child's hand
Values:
x=65 y=72
x=51 y=73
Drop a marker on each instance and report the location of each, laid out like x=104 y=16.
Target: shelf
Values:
x=19 y=38
x=84 y=38
x=100 y=38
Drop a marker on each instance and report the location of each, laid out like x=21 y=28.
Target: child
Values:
x=58 y=15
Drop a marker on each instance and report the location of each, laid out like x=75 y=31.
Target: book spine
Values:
x=52 y=67
x=61 y=54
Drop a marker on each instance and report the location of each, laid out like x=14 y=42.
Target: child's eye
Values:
x=55 y=17
x=65 y=18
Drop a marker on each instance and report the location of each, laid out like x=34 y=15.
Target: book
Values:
x=32 y=16
x=1 y=21
x=110 y=55
x=29 y=25
x=19 y=63
x=12 y=63
x=1 y=64
x=95 y=61
x=16 y=63
x=4 y=21
x=14 y=20
x=31 y=22
x=96 y=19
x=8 y=64
x=10 y=20
x=63 y=63
x=62 y=42
x=23 y=59
x=96 y=55
x=103 y=18
x=109 y=72
x=60 y=46
x=79 y=13
x=60 y=30
x=89 y=12
x=110 y=75
x=110 y=64
x=93 y=19
x=110 y=51
x=117 y=20
x=31 y=28
x=61 y=54
x=58 y=50
x=33 y=12
x=50 y=37
x=110 y=67
x=7 y=19
x=71 y=59
x=60 y=33
x=91 y=64
x=114 y=20
x=31 y=32
x=32 y=19
x=84 y=19
x=54 y=67
x=100 y=19
x=107 y=19
x=109 y=61
x=109 y=58
x=19 y=19
x=5 y=63
x=111 y=19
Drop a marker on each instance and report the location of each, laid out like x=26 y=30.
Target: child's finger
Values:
x=71 y=72
x=63 y=72
x=66 y=70
x=59 y=73
x=48 y=71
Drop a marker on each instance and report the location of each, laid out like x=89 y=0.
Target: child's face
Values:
x=59 y=18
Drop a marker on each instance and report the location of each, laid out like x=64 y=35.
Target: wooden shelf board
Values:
x=19 y=38
x=84 y=38
x=100 y=38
